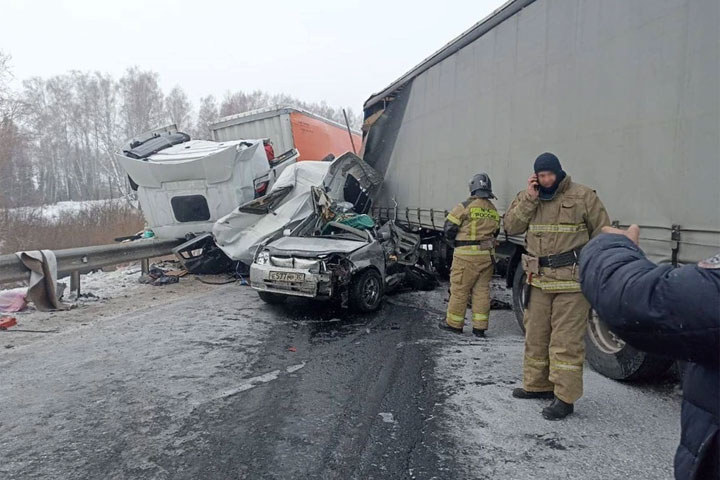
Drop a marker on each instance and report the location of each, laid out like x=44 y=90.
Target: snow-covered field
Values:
x=54 y=212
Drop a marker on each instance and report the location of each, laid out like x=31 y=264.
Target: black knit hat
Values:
x=548 y=162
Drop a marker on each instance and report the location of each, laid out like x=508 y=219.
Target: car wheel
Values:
x=606 y=353
x=366 y=291
x=272 y=298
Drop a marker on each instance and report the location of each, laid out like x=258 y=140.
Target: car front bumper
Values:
x=313 y=285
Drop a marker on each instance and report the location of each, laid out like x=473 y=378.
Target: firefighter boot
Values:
x=557 y=410
x=480 y=333
x=448 y=328
x=524 y=394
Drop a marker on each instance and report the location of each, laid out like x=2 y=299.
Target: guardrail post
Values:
x=75 y=282
x=145 y=266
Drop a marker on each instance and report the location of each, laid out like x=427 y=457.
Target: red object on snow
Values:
x=7 y=322
x=269 y=152
x=292 y=349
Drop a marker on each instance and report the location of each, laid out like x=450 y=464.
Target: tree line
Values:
x=58 y=134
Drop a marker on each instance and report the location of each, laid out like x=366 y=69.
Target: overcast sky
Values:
x=338 y=51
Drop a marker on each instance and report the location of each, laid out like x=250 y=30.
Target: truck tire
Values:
x=518 y=295
x=442 y=258
x=272 y=298
x=607 y=354
x=613 y=358
x=366 y=291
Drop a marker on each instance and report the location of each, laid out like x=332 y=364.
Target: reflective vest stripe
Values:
x=472 y=250
x=555 y=285
x=558 y=365
x=536 y=362
x=558 y=228
x=452 y=218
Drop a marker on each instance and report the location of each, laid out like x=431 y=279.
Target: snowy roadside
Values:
x=54 y=212
x=103 y=296
x=619 y=430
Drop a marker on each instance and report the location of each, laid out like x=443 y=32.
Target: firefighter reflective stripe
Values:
x=481 y=316
x=479 y=212
x=455 y=318
x=472 y=250
x=536 y=362
x=558 y=228
x=556 y=285
x=452 y=218
x=558 y=365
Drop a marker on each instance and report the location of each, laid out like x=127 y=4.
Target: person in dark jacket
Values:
x=666 y=311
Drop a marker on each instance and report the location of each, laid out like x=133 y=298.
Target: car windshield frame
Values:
x=267 y=203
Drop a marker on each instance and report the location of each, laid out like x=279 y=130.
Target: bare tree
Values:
x=142 y=101
x=178 y=108
x=58 y=135
x=207 y=114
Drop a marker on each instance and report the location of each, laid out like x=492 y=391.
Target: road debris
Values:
x=7 y=322
x=158 y=277
x=14 y=300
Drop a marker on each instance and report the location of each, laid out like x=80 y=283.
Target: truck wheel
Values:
x=272 y=298
x=518 y=295
x=442 y=259
x=613 y=358
x=366 y=291
x=605 y=352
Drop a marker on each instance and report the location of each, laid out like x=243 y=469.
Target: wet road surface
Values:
x=219 y=385
x=252 y=391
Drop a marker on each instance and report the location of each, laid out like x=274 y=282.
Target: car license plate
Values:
x=287 y=276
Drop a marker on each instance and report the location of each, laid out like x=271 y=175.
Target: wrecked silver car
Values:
x=342 y=256
x=347 y=178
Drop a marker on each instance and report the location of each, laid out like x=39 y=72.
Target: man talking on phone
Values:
x=558 y=217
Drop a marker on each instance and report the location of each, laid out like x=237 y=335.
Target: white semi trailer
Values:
x=625 y=93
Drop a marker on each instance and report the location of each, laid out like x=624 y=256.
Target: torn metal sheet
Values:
x=290 y=202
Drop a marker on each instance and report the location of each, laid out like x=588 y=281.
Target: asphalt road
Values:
x=218 y=385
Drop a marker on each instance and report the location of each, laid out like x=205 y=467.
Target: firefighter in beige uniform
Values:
x=472 y=227
x=558 y=218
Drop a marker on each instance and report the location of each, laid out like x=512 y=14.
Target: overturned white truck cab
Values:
x=184 y=186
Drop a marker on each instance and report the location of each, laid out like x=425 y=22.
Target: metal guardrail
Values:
x=83 y=259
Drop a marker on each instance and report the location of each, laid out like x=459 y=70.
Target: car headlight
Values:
x=263 y=258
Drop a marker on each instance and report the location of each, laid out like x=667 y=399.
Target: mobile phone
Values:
x=536 y=185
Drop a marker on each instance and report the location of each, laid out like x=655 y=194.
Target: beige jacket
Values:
x=567 y=222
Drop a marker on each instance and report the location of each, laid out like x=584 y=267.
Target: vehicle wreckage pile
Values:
x=311 y=236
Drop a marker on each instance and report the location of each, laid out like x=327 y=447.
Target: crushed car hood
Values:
x=240 y=233
x=313 y=246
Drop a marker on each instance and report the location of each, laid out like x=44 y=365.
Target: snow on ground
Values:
x=619 y=430
x=103 y=295
x=100 y=285
x=54 y=211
